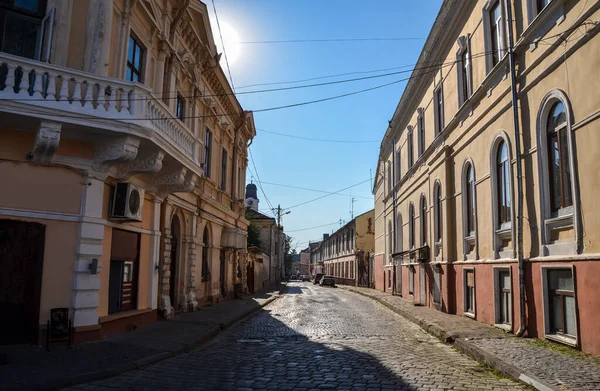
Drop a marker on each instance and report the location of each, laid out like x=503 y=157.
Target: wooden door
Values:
x=21 y=262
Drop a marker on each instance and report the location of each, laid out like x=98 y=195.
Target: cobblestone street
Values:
x=316 y=338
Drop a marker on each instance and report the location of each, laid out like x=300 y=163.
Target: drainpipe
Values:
x=513 y=82
x=394 y=213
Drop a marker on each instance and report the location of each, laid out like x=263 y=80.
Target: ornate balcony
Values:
x=96 y=105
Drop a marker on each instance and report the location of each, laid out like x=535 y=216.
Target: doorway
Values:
x=21 y=262
x=250 y=277
x=175 y=242
x=123 y=275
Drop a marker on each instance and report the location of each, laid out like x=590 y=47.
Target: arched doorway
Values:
x=175 y=242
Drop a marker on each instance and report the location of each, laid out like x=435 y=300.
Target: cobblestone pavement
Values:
x=316 y=338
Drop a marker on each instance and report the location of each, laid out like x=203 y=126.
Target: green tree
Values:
x=254 y=236
x=288 y=252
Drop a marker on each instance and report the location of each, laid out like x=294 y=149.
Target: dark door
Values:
x=122 y=285
x=222 y=274
x=173 y=269
x=250 y=277
x=21 y=262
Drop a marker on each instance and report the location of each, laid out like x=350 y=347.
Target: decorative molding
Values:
x=46 y=141
x=179 y=180
x=121 y=150
x=148 y=163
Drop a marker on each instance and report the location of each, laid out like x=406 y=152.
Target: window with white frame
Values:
x=559 y=303
x=558 y=181
x=437 y=212
x=180 y=107
x=421 y=130
x=411 y=226
x=469 y=205
x=398 y=233
x=465 y=74
x=503 y=296
x=438 y=106
x=469 y=291
x=539 y=5
x=504 y=204
x=390 y=242
x=494 y=29
x=398 y=168
x=27 y=28
x=423 y=219
x=409 y=145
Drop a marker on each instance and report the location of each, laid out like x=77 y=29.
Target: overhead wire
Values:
x=223 y=45
x=315 y=190
x=315 y=227
x=318 y=139
x=326 y=195
x=330 y=40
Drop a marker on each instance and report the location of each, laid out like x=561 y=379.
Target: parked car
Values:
x=327 y=280
x=318 y=277
x=305 y=278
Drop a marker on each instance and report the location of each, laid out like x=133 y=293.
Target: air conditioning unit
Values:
x=127 y=202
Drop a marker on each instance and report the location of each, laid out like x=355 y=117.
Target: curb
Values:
x=143 y=362
x=465 y=347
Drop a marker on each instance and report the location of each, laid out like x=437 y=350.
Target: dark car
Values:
x=327 y=280
x=305 y=278
x=318 y=277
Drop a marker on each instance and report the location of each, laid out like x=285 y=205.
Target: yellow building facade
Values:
x=447 y=191
x=123 y=154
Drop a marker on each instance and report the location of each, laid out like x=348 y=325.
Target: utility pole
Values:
x=279 y=214
x=352 y=201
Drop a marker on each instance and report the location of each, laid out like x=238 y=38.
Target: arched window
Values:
x=390 y=241
x=205 y=255
x=503 y=211
x=423 y=213
x=437 y=212
x=409 y=145
x=561 y=195
x=470 y=200
x=399 y=233
x=411 y=226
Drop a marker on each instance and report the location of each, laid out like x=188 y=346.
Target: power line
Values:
x=259 y=182
x=326 y=195
x=223 y=44
x=318 y=139
x=315 y=190
x=331 y=40
x=318 y=226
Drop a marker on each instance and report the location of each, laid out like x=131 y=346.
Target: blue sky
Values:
x=325 y=166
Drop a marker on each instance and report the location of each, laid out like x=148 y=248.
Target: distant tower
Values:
x=251 y=197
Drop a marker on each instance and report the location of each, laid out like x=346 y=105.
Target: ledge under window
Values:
x=564 y=339
x=505 y=327
x=469 y=315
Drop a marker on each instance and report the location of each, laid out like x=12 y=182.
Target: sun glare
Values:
x=231 y=41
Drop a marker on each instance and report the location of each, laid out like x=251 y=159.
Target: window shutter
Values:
x=47 y=31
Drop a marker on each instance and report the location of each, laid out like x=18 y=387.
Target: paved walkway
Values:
x=31 y=367
x=544 y=365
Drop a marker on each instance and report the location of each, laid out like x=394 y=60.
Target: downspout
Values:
x=513 y=82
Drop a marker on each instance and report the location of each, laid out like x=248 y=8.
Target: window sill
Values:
x=502 y=326
x=571 y=341
x=553 y=14
x=469 y=315
x=504 y=232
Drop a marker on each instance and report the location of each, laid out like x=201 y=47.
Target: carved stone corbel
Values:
x=176 y=181
x=148 y=163
x=121 y=150
x=46 y=142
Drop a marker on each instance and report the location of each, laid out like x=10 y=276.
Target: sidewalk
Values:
x=544 y=365
x=31 y=367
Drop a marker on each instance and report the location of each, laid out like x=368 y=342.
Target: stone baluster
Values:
x=64 y=89
x=124 y=101
x=77 y=92
x=37 y=84
x=10 y=77
x=111 y=101
x=88 y=101
x=24 y=84
x=51 y=91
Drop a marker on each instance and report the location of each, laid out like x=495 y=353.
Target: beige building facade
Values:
x=123 y=155
x=447 y=203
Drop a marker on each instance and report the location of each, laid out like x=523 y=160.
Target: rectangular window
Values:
x=503 y=297
x=421 y=130
x=207 y=152
x=224 y=170
x=180 y=107
x=495 y=32
x=439 y=109
x=411 y=281
x=540 y=5
x=464 y=68
x=470 y=291
x=561 y=302
x=437 y=297
x=135 y=57
x=398 y=165
x=389 y=279
x=410 y=148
